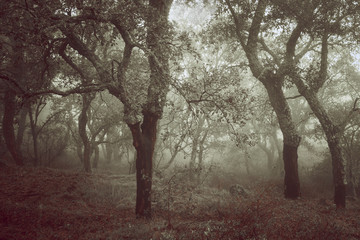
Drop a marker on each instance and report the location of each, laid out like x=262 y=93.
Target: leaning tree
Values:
x=289 y=34
x=323 y=24
x=249 y=24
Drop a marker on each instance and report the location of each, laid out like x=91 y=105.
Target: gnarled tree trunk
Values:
x=333 y=137
x=144 y=134
x=291 y=138
x=333 y=133
x=144 y=138
x=272 y=79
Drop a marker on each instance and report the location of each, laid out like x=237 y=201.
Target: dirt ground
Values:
x=42 y=203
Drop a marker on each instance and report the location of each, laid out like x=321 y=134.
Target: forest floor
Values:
x=42 y=203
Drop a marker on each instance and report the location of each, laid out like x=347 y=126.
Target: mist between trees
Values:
x=261 y=89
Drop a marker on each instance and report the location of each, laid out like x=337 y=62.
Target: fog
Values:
x=179 y=120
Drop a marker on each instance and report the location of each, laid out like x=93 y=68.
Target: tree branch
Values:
x=294 y=97
x=70 y=62
x=83 y=50
x=350 y=115
x=306 y=49
x=268 y=50
x=255 y=26
x=12 y=82
x=324 y=61
x=291 y=43
x=80 y=89
x=238 y=25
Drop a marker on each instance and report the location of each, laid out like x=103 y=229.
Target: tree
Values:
x=248 y=28
x=82 y=123
x=308 y=26
x=317 y=23
x=25 y=66
x=128 y=18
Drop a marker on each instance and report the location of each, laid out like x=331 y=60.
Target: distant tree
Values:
x=25 y=66
x=174 y=131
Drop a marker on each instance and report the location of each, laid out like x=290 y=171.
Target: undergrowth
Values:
x=50 y=204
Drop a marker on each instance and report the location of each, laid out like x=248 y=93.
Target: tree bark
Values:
x=8 y=125
x=291 y=138
x=144 y=139
x=333 y=137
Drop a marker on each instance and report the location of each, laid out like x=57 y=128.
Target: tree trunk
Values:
x=270 y=155
x=144 y=139
x=332 y=131
x=192 y=163
x=108 y=149
x=144 y=135
x=291 y=138
x=22 y=127
x=279 y=160
x=338 y=166
x=292 y=184
x=195 y=146
x=201 y=150
x=132 y=168
x=273 y=79
x=82 y=131
x=34 y=135
x=351 y=177
x=96 y=156
x=8 y=125
x=333 y=137
x=247 y=161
